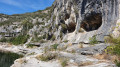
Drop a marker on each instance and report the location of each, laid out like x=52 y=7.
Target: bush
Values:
x=53 y=37
x=54 y=17
x=57 y=26
x=112 y=40
x=93 y=40
x=21 y=39
x=54 y=46
x=26 y=25
x=117 y=62
x=37 y=39
x=29 y=45
x=64 y=27
x=47 y=57
x=64 y=62
x=114 y=48
x=3 y=40
x=65 y=41
x=42 y=23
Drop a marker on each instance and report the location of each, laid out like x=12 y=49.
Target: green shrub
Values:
x=65 y=41
x=21 y=39
x=61 y=35
x=53 y=37
x=29 y=45
x=114 y=48
x=93 y=40
x=64 y=28
x=64 y=62
x=54 y=17
x=26 y=25
x=112 y=40
x=54 y=46
x=117 y=62
x=37 y=39
x=42 y=23
x=3 y=40
x=56 y=26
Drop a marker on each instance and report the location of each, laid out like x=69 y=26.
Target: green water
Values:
x=7 y=59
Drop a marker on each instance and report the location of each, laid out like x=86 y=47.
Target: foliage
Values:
x=112 y=40
x=114 y=47
x=54 y=46
x=64 y=62
x=56 y=26
x=46 y=48
x=36 y=38
x=42 y=23
x=3 y=40
x=29 y=45
x=65 y=41
x=47 y=56
x=27 y=25
x=21 y=39
x=117 y=62
x=61 y=35
x=64 y=27
x=54 y=17
x=93 y=40
x=53 y=37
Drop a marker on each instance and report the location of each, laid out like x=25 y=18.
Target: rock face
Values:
x=92 y=17
x=72 y=20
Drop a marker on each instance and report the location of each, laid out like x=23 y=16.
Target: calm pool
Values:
x=7 y=58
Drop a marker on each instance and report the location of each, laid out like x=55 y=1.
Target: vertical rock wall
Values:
x=97 y=16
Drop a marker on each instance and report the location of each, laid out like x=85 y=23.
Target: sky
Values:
x=22 y=6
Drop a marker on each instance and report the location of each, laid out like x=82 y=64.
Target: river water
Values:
x=7 y=58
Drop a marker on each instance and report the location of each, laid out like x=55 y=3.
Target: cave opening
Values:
x=92 y=22
x=71 y=27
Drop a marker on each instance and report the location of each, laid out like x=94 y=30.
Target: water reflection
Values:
x=7 y=59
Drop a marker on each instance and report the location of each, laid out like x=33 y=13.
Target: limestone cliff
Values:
x=78 y=20
x=72 y=20
x=64 y=29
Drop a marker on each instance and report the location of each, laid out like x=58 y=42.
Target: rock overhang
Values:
x=101 y=16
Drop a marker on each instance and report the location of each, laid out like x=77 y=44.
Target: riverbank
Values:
x=6 y=47
x=76 y=59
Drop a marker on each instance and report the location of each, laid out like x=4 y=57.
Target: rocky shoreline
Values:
x=76 y=59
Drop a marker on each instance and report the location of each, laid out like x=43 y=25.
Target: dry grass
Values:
x=70 y=44
x=86 y=63
x=62 y=48
x=80 y=45
x=63 y=61
x=21 y=61
x=81 y=30
x=106 y=57
x=102 y=56
x=47 y=56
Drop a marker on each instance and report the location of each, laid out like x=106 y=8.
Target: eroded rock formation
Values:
x=96 y=17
